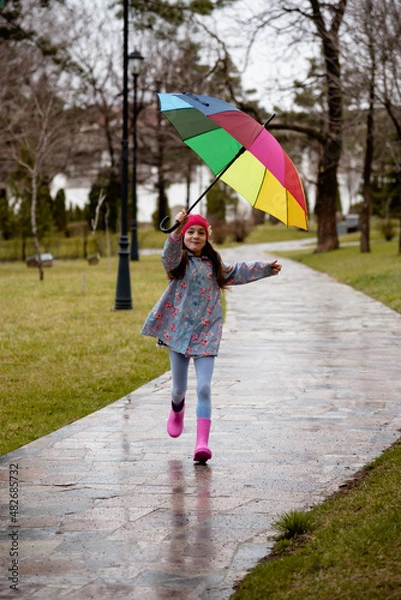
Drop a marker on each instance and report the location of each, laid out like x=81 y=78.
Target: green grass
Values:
x=354 y=551
x=74 y=247
x=64 y=352
x=278 y=233
x=292 y=524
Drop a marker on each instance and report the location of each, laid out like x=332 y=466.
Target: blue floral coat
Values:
x=188 y=318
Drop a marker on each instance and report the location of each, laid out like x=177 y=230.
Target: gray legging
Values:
x=204 y=366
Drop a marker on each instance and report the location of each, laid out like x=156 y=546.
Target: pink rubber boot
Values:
x=202 y=452
x=175 y=423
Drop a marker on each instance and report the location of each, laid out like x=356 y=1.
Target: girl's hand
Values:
x=276 y=267
x=182 y=218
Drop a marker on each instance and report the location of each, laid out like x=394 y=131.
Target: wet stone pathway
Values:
x=307 y=389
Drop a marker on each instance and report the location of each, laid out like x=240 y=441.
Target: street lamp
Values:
x=123 y=299
x=135 y=59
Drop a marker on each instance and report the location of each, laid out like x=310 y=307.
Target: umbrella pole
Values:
x=215 y=180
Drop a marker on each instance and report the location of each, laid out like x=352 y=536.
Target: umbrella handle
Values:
x=169 y=229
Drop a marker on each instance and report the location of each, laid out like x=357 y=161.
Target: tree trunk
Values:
x=326 y=197
x=109 y=140
x=162 y=196
x=367 y=167
x=34 y=225
x=162 y=202
x=327 y=184
x=325 y=209
x=367 y=171
x=188 y=182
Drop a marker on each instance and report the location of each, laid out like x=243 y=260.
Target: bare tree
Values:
x=362 y=66
x=389 y=61
x=321 y=21
x=95 y=49
x=36 y=96
x=39 y=139
x=389 y=84
x=327 y=30
x=374 y=65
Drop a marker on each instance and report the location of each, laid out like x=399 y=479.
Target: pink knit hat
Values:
x=196 y=220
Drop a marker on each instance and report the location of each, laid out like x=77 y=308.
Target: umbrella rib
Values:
x=195 y=98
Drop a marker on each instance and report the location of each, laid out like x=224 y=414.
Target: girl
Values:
x=188 y=317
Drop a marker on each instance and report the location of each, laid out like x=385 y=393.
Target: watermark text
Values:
x=13 y=528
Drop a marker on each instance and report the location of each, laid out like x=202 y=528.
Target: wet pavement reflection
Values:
x=190 y=550
x=190 y=545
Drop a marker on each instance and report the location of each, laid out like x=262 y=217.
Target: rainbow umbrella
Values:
x=239 y=151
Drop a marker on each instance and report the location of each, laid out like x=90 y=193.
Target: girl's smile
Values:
x=195 y=239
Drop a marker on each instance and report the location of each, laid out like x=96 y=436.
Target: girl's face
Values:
x=195 y=239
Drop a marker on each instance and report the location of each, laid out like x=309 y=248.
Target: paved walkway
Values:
x=307 y=389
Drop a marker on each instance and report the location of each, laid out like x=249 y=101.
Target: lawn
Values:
x=64 y=351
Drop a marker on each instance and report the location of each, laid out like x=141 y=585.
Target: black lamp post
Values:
x=123 y=292
x=135 y=59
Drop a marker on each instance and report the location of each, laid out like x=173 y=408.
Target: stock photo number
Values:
x=13 y=534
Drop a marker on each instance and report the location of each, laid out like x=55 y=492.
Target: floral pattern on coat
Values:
x=188 y=318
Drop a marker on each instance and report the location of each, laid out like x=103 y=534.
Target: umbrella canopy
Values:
x=260 y=170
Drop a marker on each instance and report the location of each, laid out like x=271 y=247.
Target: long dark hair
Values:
x=219 y=270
